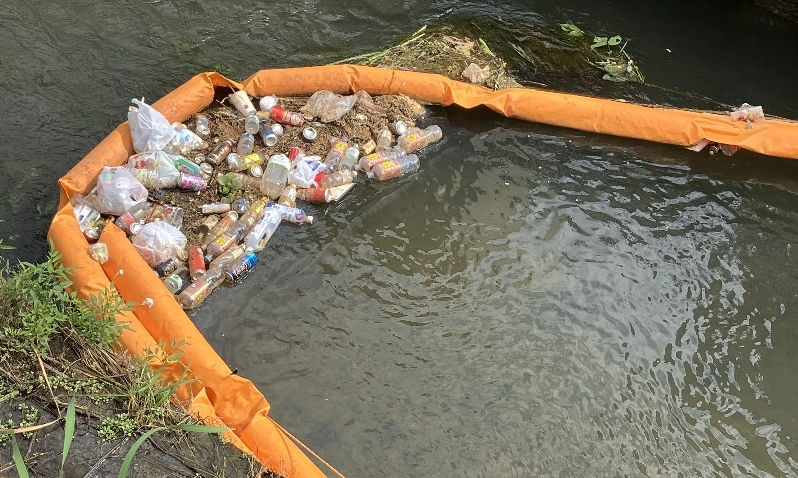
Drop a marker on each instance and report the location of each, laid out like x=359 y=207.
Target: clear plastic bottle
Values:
x=241 y=163
x=198 y=290
x=368 y=162
x=246 y=143
x=223 y=225
x=252 y=124
x=288 y=196
x=263 y=228
x=337 y=151
x=227 y=257
x=176 y=280
x=349 y=159
x=220 y=152
x=396 y=167
x=291 y=214
x=202 y=126
x=338 y=178
x=414 y=140
x=276 y=176
x=227 y=239
x=84 y=211
x=133 y=215
x=384 y=140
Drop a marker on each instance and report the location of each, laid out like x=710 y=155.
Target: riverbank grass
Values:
x=70 y=405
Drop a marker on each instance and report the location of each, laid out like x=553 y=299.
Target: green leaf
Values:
x=599 y=42
x=200 y=428
x=616 y=40
x=133 y=449
x=236 y=183
x=69 y=431
x=571 y=29
x=22 y=470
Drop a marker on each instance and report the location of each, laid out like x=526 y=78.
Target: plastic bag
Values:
x=185 y=141
x=149 y=129
x=328 y=106
x=158 y=241
x=154 y=169
x=475 y=74
x=747 y=112
x=116 y=191
x=304 y=172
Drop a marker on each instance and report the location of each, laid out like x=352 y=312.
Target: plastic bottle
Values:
x=84 y=211
x=291 y=214
x=314 y=195
x=396 y=167
x=349 y=159
x=241 y=163
x=133 y=215
x=227 y=257
x=202 y=126
x=240 y=205
x=414 y=139
x=176 y=280
x=252 y=124
x=246 y=142
x=263 y=228
x=368 y=162
x=276 y=176
x=337 y=151
x=288 y=196
x=223 y=225
x=338 y=178
x=384 y=140
x=196 y=292
x=220 y=152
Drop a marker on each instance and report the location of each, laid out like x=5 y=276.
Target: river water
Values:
x=533 y=302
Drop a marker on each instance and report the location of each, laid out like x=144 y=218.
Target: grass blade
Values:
x=200 y=428
x=133 y=449
x=69 y=431
x=22 y=470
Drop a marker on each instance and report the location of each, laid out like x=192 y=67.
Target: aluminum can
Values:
x=220 y=152
x=196 y=263
x=266 y=134
x=167 y=267
x=243 y=265
x=309 y=134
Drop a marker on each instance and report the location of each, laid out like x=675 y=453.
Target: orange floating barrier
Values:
x=217 y=395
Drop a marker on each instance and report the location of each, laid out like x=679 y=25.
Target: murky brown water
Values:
x=533 y=302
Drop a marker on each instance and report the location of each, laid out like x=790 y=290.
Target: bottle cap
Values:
x=256 y=171
x=134 y=228
x=309 y=219
x=309 y=134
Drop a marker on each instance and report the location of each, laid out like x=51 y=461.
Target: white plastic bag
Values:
x=149 y=129
x=747 y=112
x=154 y=169
x=158 y=241
x=305 y=170
x=328 y=106
x=116 y=191
x=475 y=74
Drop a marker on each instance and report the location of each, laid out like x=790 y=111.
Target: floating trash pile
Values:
x=199 y=201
